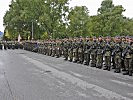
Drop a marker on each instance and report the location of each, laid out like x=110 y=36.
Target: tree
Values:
x=78 y=18
x=110 y=18
x=46 y=16
x=53 y=16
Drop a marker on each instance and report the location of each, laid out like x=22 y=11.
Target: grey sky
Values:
x=92 y=5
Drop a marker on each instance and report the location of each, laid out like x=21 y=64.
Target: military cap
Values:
x=118 y=37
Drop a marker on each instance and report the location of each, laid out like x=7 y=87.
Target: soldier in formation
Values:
x=105 y=53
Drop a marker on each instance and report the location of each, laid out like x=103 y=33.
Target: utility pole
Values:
x=32 y=30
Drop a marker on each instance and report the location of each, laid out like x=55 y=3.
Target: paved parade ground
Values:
x=30 y=76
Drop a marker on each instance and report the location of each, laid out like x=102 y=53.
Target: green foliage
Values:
x=109 y=20
x=46 y=15
x=54 y=18
x=78 y=19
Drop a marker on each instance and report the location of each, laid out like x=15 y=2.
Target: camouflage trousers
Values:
x=128 y=64
x=58 y=53
x=107 y=61
x=93 y=62
x=75 y=56
x=87 y=58
x=81 y=57
x=71 y=55
x=53 y=52
x=118 y=62
x=66 y=54
x=99 y=62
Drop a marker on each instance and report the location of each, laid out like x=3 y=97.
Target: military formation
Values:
x=4 y=45
x=105 y=53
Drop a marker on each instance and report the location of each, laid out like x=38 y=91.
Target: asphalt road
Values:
x=29 y=76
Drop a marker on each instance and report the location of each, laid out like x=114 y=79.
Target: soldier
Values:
x=87 y=51
x=112 y=43
x=13 y=45
x=100 y=46
x=66 y=47
x=39 y=47
x=34 y=46
x=0 y=45
x=128 y=54
x=58 y=50
x=5 y=45
x=50 y=49
x=107 y=54
x=61 y=47
x=70 y=50
x=75 y=50
x=124 y=45
x=93 y=52
x=117 y=52
x=53 y=48
x=45 y=47
x=16 y=45
x=81 y=51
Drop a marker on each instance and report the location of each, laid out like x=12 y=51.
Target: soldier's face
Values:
x=94 y=39
x=108 y=39
x=129 y=40
x=126 y=39
x=117 y=39
x=123 y=39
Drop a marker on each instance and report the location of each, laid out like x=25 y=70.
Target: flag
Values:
x=7 y=34
x=28 y=37
x=19 y=38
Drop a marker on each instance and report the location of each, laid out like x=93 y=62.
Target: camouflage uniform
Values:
x=75 y=51
x=117 y=52
x=123 y=44
x=58 y=50
x=107 y=55
x=87 y=52
x=99 y=62
x=66 y=47
x=93 y=53
x=128 y=61
x=70 y=51
x=81 y=52
x=53 y=49
x=0 y=46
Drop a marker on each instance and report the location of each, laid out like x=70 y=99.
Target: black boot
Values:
x=130 y=73
x=70 y=60
x=75 y=61
x=105 y=68
x=85 y=63
x=126 y=73
x=93 y=65
x=123 y=69
x=108 y=68
x=117 y=70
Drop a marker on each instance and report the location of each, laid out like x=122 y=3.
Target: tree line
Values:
x=55 y=19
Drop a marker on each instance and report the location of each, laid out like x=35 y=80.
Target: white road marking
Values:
x=83 y=95
x=1 y=63
x=130 y=94
x=123 y=76
x=122 y=83
x=76 y=74
x=102 y=92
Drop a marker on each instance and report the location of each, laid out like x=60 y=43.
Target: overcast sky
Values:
x=92 y=5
